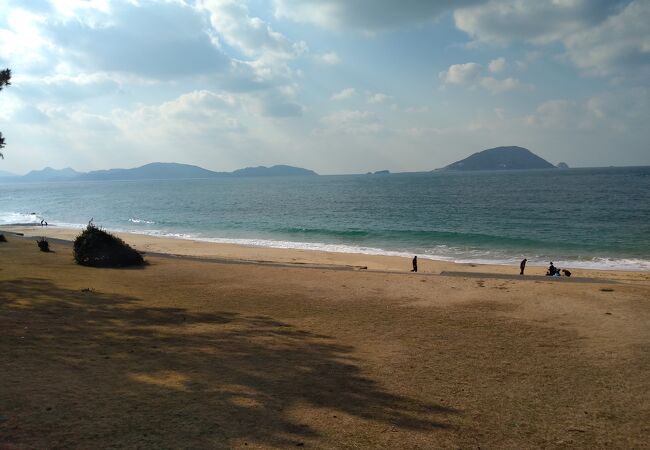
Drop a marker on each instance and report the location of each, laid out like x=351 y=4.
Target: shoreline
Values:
x=204 y=249
x=440 y=253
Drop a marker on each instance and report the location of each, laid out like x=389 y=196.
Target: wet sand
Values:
x=245 y=347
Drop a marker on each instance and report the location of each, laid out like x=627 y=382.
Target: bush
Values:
x=43 y=245
x=97 y=248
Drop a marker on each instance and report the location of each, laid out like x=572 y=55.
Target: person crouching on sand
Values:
x=522 y=266
x=552 y=270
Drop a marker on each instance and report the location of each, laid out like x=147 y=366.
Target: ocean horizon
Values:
x=582 y=218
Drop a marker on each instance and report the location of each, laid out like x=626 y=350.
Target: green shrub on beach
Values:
x=97 y=248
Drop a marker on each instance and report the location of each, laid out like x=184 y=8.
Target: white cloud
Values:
x=191 y=117
x=557 y=115
x=22 y=41
x=601 y=37
x=69 y=51
x=269 y=54
x=352 y=122
x=79 y=10
x=539 y=21
x=418 y=109
x=330 y=58
x=251 y=35
x=497 y=65
x=365 y=15
x=619 y=45
x=180 y=129
x=377 y=98
x=506 y=85
x=470 y=74
x=344 y=94
x=461 y=73
x=155 y=40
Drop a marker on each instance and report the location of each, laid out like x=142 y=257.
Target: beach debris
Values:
x=607 y=290
x=97 y=248
x=3 y=238
x=43 y=245
x=87 y=290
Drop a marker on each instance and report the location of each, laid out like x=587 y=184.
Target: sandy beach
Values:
x=252 y=254
x=224 y=346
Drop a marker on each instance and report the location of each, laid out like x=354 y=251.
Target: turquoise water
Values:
x=576 y=218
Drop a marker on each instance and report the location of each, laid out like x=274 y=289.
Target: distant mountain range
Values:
x=155 y=171
x=501 y=158
x=498 y=158
x=4 y=173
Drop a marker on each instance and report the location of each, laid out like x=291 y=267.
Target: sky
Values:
x=338 y=86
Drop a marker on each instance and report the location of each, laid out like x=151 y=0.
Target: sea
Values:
x=578 y=218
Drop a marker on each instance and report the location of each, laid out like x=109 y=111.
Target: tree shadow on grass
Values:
x=86 y=368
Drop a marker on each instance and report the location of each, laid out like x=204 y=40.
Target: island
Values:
x=501 y=158
x=155 y=171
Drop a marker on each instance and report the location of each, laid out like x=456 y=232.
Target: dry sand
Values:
x=311 y=351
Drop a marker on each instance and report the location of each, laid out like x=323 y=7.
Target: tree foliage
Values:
x=5 y=80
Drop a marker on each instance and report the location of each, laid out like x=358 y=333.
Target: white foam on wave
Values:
x=612 y=264
x=16 y=218
x=76 y=226
x=148 y=222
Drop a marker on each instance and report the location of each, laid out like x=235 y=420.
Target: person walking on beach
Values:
x=415 y=264
x=522 y=266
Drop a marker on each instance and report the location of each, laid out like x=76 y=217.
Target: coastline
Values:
x=182 y=247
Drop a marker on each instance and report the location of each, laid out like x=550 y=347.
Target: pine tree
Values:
x=5 y=80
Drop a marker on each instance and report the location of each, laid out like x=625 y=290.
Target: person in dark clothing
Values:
x=415 y=264
x=522 y=266
x=551 y=270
